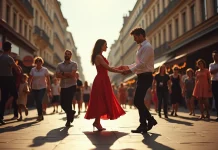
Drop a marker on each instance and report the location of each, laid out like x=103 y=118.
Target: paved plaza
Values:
x=184 y=132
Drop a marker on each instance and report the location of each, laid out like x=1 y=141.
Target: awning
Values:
x=178 y=59
x=130 y=77
x=160 y=61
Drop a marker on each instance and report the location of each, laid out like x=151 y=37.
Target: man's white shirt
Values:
x=144 y=59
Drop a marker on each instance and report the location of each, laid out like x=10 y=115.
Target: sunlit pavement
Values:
x=183 y=132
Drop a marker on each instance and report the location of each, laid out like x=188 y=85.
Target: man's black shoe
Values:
x=140 y=129
x=152 y=122
x=2 y=122
x=67 y=124
x=72 y=116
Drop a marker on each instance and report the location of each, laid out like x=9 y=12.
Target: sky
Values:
x=90 y=20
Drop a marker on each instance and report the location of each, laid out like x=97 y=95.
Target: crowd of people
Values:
x=190 y=89
x=104 y=101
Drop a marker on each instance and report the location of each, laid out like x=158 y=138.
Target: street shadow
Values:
x=192 y=118
x=149 y=140
x=30 y=118
x=18 y=127
x=104 y=138
x=170 y=120
x=52 y=136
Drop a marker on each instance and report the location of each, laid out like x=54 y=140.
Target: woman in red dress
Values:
x=103 y=103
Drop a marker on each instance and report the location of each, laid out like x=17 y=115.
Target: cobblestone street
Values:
x=183 y=132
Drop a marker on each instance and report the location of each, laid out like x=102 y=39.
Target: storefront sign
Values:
x=28 y=61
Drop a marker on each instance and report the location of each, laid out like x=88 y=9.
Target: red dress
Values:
x=102 y=102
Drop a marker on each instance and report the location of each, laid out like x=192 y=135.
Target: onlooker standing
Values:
x=78 y=95
x=7 y=83
x=66 y=70
x=39 y=81
x=86 y=94
x=22 y=96
x=122 y=95
x=130 y=92
x=162 y=84
x=214 y=77
x=188 y=88
x=202 y=90
x=55 y=91
x=176 y=94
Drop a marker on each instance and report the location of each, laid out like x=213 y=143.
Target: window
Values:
x=155 y=42
x=41 y=22
x=30 y=33
x=170 y=32
x=36 y=17
x=154 y=13
x=163 y=4
x=143 y=24
x=159 y=39
x=177 y=27
x=20 y=25
x=15 y=21
x=193 y=15
x=184 y=22
x=8 y=9
x=164 y=35
x=158 y=9
x=216 y=6
x=25 y=30
x=204 y=9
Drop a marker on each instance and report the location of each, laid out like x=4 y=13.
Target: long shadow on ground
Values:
x=149 y=140
x=54 y=135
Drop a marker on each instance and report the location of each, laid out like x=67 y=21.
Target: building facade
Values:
x=180 y=31
x=75 y=57
x=35 y=28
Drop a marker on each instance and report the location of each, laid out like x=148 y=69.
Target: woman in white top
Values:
x=39 y=81
x=86 y=94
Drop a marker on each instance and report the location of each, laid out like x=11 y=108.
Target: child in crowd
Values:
x=22 y=96
x=55 y=91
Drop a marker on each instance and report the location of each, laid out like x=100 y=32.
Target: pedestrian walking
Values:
x=55 y=91
x=7 y=82
x=66 y=71
x=130 y=95
x=176 y=90
x=213 y=68
x=162 y=85
x=86 y=94
x=143 y=67
x=39 y=83
x=78 y=95
x=188 y=88
x=22 y=96
x=202 y=89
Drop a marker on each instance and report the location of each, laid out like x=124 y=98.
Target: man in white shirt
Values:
x=143 y=67
x=213 y=68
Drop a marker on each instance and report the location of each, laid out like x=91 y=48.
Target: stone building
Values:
x=180 y=31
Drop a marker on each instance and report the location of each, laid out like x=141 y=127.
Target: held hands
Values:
x=124 y=70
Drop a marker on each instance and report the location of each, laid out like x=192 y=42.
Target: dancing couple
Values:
x=103 y=103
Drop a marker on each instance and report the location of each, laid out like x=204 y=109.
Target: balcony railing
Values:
x=27 y=6
x=161 y=49
x=57 y=37
x=41 y=33
x=40 y=2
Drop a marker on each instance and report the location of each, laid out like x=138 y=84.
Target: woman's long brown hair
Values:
x=97 y=49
